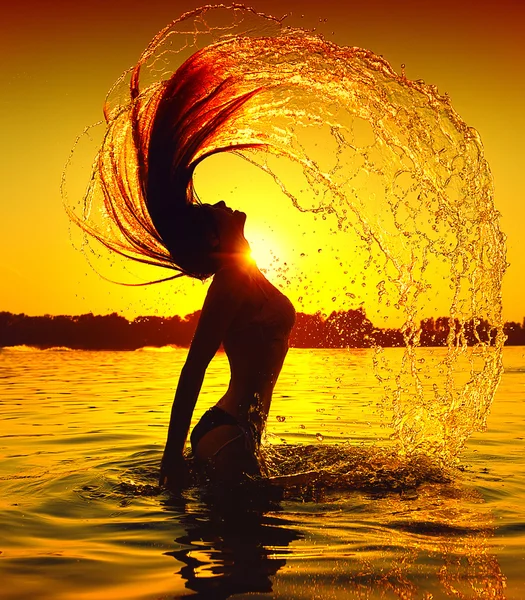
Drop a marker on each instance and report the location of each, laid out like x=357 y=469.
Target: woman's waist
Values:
x=245 y=402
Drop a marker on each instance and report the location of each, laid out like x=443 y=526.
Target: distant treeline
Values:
x=341 y=329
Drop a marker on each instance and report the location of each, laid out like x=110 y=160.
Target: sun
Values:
x=264 y=251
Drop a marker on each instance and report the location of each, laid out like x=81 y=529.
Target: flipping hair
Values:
x=152 y=145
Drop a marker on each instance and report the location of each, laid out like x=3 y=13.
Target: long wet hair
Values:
x=151 y=147
x=193 y=106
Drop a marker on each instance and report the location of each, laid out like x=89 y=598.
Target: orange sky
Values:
x=59 y=59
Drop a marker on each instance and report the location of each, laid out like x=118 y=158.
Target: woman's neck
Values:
x=242 y=260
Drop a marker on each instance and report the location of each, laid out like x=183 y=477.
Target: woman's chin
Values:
x=240 y=216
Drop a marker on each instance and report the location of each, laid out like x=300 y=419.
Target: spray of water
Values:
x=380 y=168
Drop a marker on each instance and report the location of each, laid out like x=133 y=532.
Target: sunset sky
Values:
x=60 y=58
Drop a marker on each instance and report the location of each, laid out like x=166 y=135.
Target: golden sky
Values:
x=59 y=59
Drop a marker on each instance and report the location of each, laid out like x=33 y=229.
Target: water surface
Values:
x=81 y=435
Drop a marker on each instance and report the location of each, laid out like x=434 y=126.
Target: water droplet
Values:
x=319 y=437
x=280 y=418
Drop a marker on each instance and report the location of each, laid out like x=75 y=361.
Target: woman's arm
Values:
x=220 y=307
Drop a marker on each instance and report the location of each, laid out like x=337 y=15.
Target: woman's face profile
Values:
x=221 y=208
x=230 y=227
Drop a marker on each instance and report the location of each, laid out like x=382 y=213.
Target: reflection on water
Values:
x=233 y=555
x=431 y=543
x=81 y=515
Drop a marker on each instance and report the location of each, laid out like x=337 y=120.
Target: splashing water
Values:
x=381 y=166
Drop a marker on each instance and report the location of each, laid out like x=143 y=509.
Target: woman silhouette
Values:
x=243 y=311
x=252 y=319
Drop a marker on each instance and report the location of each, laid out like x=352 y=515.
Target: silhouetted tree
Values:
x=340 y=329
x=348 y=329
x=515 y=333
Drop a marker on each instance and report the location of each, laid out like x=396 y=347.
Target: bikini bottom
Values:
x=216 y=417
x=235 y=486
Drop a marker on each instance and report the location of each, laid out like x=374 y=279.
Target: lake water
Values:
x=81 y=436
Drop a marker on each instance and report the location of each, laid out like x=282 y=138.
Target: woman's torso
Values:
x=256 y=344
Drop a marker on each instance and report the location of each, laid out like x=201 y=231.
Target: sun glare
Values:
x=265 y=252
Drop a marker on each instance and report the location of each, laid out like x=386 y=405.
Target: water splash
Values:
x=313 y=468
x=381 y=165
